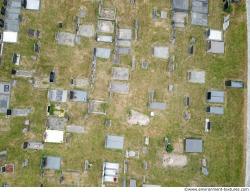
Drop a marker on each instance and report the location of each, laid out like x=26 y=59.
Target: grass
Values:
x=224 y=146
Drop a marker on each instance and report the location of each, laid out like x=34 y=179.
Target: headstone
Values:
x=171 y=65
x=132 y=2
x=186 y=101
x=16 y=58
x=186 y=115
x=136 y=29
x=25 y=163
x=61 y=179
x=21 y=112
x=191 y=49
x=154 y=13
x=226 y=5
x=27 y=122
x=34 y=33
x=124 y=182
x=87 y=165
x=125 y=168
x=144 y=64
x=37 y=47
x=171 y=88
x=5 y=184
x=60 y=24
x=204 y=170
x=131 y=154
x=133 y=63
x=108 y=123
x=163 y=14
x=204 y=162
x=226 y=22
x=68 y=138
x=193 y=40
x=146 y=140
x=151 y=95
x=145 y=165
x=75 y=129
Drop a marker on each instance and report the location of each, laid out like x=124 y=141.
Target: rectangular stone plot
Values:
x=180 y=5
x=97 y=107
x=78 y=96
x=123 y=43
x=104 y=26
x=179 y=19
x=196 y=76
x=107 y=13
x=125 y=34
x=4 y=102
x=199 y=19
x=33 y=5
x=123 y=50
x=36 y=145
x=75 y=129
x=216 y=47
x=22 y=73
x=157 y=106
x=64 y=38
x=21 y=112
x=86 y=31
x=161 y=52
x=56 y=123
x=199 y=6
x=80 y=82
x=120 y=73
x=4 y=96
x=114 y=142
x=56 y=95
x=71 y=178
x=119 y=87
x=103 y=53
x=4 y=126
x=216 y=110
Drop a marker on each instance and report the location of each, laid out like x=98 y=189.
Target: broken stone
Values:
x=137 y=118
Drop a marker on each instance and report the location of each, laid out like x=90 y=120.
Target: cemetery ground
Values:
x=223 y=146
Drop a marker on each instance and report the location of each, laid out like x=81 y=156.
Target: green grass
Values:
x=224 y=146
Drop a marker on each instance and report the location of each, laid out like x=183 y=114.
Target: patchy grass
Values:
x=224 y=146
